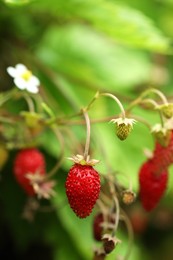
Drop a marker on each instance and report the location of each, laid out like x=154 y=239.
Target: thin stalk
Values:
x=59 y=162
x=7 y=120
x=130 y=234
x=30 y=103
x=88 y=134
x=157 y=92
x=117 y=101
x=161 y=119
x=92 y=101
x=117 y=215
x=4 y=97
x=151 y=101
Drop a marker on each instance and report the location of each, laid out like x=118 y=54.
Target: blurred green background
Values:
x=77 y=47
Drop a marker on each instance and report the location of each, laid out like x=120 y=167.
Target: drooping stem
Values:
x=141 y=99
x=150 y=101
x=59 y=162
x=29 y=102
x=157 y=92
x=127 y=222
x=161 y=119
x=92 y=101
x=88 y=134
x=117 y=101
x=117 y=215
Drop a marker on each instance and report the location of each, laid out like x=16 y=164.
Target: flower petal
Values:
x=11 y=71
x=21 y=68
x=20 y=83
x=34 y=81
x=32 y=88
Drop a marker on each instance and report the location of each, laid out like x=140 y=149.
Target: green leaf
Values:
x=124 y=24
x=87 y=58
x=17 y=2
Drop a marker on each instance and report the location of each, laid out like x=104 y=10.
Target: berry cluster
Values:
x=84 y=186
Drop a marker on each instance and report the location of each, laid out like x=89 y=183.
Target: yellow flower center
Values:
x=26 y=75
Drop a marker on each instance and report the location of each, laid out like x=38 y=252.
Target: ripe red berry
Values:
x=28 y=161
x=97 y=225
x=152 y=185
x=163 y=156
x=139 y=220
x=82 y=189
x=97 y=228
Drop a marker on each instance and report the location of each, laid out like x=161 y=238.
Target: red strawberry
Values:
x=152 y=185
x=97 y=228
x=28 y=161
x=163 y=156
x=139 y=220
x=82 y=189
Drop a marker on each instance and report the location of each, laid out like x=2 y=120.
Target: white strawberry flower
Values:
x=24 y=79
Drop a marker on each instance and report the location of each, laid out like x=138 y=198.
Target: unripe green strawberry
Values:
x=152 y=185
x=166 y=109
x=123 y=127
x=28 y=161
x=123 y=131
x=82 y=189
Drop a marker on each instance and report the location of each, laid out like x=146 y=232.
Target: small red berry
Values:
x=28 y=161
x=97 y=228
x=139 y=220
x=152 y=185
x=163 y=156
x=98 y=225
x=82 y=189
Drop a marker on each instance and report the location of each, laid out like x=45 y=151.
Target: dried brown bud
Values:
x=128 y=197
x=109 y=243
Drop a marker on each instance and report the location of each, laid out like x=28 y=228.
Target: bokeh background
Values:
x=77 y=47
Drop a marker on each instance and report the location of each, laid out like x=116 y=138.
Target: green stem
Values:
x=145 y=93
x=92 y=101
x=87 y=144
x=117 y=101
x=117 y=215
x=4 y=97
x=161 y=118
x=29 y=102
x=157 y=92
x=7 y=120
x=61 y=157
x=151 y=101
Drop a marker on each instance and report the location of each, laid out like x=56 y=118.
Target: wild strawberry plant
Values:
x=87 y=189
